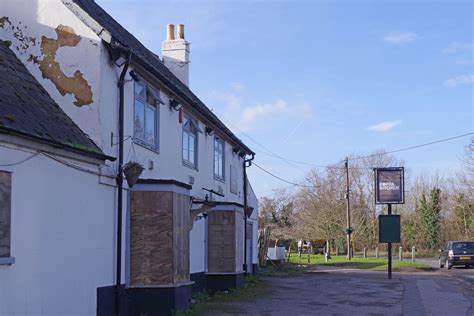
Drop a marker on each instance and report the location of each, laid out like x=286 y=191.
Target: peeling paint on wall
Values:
x=4 y=20
x=19 y=32
x=50 y=68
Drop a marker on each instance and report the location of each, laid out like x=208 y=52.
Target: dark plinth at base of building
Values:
x=199 y=279
x=144 y=300
x=216 y=282
x=255 y=268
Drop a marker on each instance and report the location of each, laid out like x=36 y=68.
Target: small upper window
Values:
x=145 y=119
x=219 y=161
x=190 y=141
x=5 y=214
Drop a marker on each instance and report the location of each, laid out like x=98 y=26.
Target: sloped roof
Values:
x=147 y=59
x=26 y=109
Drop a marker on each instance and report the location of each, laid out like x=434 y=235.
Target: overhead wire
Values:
x=21 y=161
x=290 y=182
x=366 y=156
x=270 y=152
x=412 y=147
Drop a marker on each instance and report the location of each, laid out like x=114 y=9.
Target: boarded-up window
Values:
x=233 y=180
x=5 y=212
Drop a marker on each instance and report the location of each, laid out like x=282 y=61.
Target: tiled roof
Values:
x=149 y=60
x=26 y=109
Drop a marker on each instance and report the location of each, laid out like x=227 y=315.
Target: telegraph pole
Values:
x=349 y=230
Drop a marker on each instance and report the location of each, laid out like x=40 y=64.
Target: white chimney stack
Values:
x=175 y=52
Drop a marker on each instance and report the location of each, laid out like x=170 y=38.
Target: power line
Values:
x=273 y=154
x=413 y=147
x=21 y=161
x=277 y=177
x=293 y=183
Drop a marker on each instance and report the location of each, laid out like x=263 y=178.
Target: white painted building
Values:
x=56 y=210
x=70 y=47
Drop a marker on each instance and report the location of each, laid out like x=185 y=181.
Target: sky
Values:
x=315 y=81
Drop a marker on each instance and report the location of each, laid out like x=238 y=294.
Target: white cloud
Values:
x=459 y=80
x=400 y=38
x=457 y=47
x=384 y=126
x=236 y=86
x=260 y=115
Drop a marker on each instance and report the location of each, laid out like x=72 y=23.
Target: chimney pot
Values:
x=180 y=31
x=170 y=32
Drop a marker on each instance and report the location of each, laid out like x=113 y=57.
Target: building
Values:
x=56 y=210
x=182 y=225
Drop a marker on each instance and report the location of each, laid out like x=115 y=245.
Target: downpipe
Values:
x=247 y=163
x=118 y=277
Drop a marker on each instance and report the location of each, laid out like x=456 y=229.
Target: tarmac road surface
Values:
x=461 y=273
x=340 y=291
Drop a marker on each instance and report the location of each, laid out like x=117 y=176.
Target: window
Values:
x=5 y=215
x=219 y=160
x=190 y=141
x=233 y=180
x=145 y=119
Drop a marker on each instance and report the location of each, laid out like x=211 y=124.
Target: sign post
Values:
x=389 y=189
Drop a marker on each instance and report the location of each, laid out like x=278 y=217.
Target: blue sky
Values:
x=317 y=80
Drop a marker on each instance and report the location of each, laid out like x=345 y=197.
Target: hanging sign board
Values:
x=389 y=228
x=389 y=185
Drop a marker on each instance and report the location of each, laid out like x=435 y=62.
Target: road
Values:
x=341 y=291
x=461 y=273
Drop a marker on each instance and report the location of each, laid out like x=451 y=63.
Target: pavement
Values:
x=342 y=291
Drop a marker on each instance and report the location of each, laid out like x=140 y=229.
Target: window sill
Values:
x=217 y=178
x=7 y=261
x=149 y=147
x=189 y=165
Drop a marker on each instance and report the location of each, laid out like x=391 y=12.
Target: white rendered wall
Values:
x=62 y=231
x=29 y=22
x=253 y=202
x=198 y=246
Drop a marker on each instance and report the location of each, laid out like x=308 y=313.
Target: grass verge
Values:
x=206 y=302
x=360 y=263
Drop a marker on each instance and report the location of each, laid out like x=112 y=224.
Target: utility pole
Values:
x=349 y=229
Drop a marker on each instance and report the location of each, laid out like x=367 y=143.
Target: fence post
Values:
x=413 y=249
x=365 y=252
x=400 y=253
x=377 y=252
x=337 y=251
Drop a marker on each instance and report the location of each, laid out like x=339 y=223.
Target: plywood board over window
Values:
x=5 y=212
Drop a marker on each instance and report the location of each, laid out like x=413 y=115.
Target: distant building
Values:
x=183 y=223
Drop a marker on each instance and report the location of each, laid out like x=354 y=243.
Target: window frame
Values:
x=219 y=140
x=156 y=119
x=234 y=180
x=7 y=259
x=193 y=127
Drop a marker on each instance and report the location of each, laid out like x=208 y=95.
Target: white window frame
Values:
x=219 y=155
x=155 y=108
x=190 y=127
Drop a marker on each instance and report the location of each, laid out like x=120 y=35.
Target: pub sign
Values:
x=389 y=185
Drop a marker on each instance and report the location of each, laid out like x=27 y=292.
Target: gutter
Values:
x=57 y=144
x=247 y=163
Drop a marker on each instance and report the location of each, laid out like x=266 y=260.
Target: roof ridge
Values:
x=145 y=57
